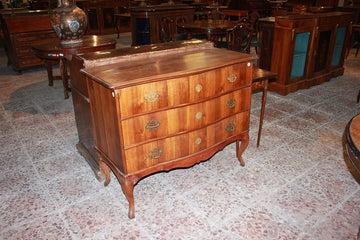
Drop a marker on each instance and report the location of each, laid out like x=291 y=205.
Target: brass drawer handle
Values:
x=152 y=96
x=231 y=103
x=152 y=125
x=198 y=141
x=230 y=127
x=198 y=115
x=198 y=88
x=232 y=78
x=155 y=153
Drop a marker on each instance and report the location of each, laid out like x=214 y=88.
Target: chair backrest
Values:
x=239 y=37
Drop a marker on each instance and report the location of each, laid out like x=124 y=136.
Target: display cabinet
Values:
x=308 y=49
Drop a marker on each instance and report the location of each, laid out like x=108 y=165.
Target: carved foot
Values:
x=240 y=148
x=128 y=188
x=106 y=171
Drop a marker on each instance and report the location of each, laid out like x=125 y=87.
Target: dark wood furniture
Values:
x=101 y=15
x=210 y=28
x=352 y=141
x=145 y=21
x=56 y=52
x=80 y=95
x=308 y=49
x=122 y=20
x=238 y=38
x=266 y=38
x=143 y=125
x=356 y=35
x=23 y=30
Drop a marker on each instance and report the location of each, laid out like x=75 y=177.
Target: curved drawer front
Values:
x=211 y=83
x=170 y=93
x=150 y=154
x=151 y=96
x=185 y=118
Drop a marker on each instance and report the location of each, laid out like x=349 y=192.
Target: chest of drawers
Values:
x=170 y=111
x=22 y=31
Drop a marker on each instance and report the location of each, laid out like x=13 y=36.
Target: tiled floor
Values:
x=296 y=185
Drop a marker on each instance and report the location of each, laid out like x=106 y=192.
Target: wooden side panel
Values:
x=106 y=126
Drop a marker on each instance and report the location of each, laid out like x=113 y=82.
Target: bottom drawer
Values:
x=29 y=61
x=150 y=154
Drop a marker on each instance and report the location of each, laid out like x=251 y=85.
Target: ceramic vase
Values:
x=69 y=22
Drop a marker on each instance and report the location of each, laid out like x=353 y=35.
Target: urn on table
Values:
x=69 y=22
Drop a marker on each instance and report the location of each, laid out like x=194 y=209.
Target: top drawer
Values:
x=164 y=94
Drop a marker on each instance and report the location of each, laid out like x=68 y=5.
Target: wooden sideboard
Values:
x=169 y=111
x=308 y=49
x=22 y=30
x=146 y=21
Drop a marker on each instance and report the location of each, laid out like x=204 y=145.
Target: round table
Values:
x=56 y=52
x=207 y=27
x=352 y=141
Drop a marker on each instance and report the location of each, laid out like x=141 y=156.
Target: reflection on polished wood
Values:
x=56 y=51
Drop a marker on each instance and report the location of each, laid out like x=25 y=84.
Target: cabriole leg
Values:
x=240 y=148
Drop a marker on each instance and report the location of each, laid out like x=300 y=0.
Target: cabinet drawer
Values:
x=31 y=39
x=153 y=153
x=24 y=51
x=186 y=118
x=171 y=93
x=29 y=61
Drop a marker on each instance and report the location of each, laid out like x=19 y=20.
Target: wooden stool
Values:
x=261 y=79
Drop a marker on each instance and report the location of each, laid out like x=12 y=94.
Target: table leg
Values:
x=64 y=77
x=48 y=66
x=263 y=102
x=117 y=23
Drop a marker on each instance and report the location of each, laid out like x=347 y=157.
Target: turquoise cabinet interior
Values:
x=339 y=43
x=300 y=53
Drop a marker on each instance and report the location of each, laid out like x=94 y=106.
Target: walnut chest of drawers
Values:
x=169 y=111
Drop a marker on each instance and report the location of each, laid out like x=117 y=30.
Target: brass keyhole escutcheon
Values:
x=231 y=103
x=230 y=127
x=232 y=78
x=155 y=153
x=152 y=96
x=198 y=88
x=152 y=125
x=198 y=115
x=198 y=141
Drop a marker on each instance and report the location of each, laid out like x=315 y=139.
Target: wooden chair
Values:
x=239 y=37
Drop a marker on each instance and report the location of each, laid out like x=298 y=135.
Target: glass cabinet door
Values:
x=338 y=48
x=300 y=53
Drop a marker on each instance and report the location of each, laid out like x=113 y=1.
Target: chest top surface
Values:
x=138 y=71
